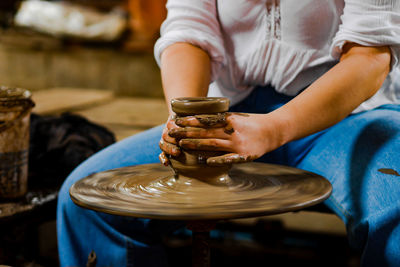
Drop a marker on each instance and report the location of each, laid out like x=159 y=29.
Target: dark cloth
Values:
x=59 y=143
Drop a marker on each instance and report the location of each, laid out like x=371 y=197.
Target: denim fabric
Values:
x=352 y=155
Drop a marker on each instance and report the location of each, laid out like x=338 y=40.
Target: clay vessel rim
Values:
x=14 y=93
x=199 y=105
x=198 y=99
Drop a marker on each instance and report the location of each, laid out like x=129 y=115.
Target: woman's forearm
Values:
x=359 y=74
x=185 y=71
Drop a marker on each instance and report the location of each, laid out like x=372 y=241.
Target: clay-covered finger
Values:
x=169 y=148
x=163 y=159
x=205 y=144
x=229 y=159
x=205 y=121
x=168 y=138
x=171 y=124
x=194 y=133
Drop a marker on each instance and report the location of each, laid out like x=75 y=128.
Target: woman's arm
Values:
x=185 y=71
x=359 y=74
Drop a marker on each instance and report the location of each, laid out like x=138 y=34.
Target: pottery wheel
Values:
x=153 y=191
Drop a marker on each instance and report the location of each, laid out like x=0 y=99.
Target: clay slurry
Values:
x=389 y=171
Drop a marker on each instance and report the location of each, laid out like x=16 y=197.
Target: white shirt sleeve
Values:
x=370 y=23
x=194 y=22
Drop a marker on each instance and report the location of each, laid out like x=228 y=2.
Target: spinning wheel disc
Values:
x=152 y=191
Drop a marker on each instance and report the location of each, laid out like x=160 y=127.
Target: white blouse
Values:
x=285 y=43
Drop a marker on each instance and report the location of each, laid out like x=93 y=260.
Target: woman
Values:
x=321 y=83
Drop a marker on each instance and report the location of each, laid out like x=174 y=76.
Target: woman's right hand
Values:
x=168 y=144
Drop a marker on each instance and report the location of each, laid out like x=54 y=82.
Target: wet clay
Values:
x=230 y=159
x=153 y=191
x=209 y=120
x=229 y=130
x=212 y=120
x=239 y=114
x=192 y=161
x=193 y=164
x=163 y=159
x=389 y=171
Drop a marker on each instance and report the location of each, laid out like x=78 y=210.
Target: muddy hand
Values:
x=205 y=121
x=243 y=136
x=168 y=144
x=195 y=138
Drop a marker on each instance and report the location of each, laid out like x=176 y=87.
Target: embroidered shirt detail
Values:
x=273 y=19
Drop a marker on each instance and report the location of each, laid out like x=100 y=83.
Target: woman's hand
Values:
x=167 y=143
x=245 y=136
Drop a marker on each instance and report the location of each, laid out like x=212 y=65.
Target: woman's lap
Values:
x=360 y=157
x=349 y=154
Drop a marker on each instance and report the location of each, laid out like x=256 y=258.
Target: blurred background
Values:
x=102 y=44
x=90 y=67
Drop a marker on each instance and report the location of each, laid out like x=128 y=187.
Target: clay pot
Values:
x=192 y=163
x=15 y=108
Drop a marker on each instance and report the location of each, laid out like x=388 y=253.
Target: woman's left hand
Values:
x=246 y=136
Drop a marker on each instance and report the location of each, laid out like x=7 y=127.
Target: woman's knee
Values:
x=360 y=157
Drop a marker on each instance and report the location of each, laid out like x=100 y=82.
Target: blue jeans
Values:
x=358 y=155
